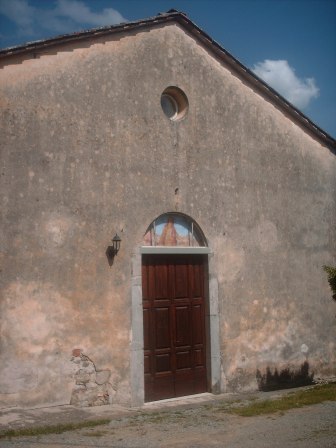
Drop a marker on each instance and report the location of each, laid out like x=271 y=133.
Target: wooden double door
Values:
x=174 y=325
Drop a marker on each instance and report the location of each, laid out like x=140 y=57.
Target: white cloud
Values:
x=20 y=12
x=281 y=76
x=65 y=16
x=80 y=13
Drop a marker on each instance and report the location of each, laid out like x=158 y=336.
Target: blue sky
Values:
x=289 y=43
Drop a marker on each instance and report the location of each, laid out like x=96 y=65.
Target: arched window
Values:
x=174 y=230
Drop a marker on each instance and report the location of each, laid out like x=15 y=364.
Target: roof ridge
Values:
x=219 y=52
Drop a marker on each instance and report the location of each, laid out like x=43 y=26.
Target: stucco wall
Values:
x=87 y=151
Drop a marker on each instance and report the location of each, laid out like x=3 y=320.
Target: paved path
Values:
x=201 y=423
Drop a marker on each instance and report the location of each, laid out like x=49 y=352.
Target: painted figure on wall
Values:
x=173 y=230
x=169 y=235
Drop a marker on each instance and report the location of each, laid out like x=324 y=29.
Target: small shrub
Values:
x=331 y=271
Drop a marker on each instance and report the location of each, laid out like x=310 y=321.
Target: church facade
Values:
x=166 y=216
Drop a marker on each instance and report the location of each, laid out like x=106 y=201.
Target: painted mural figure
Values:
x=169 y=234
x=172 y=230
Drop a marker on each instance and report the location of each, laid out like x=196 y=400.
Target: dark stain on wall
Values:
x=285 y=379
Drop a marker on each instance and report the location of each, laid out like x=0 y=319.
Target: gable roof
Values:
x=217 y=50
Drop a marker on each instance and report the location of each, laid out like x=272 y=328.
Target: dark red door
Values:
x=174 y=325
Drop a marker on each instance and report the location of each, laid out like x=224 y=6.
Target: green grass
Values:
x=52 y=429
x=314 y=395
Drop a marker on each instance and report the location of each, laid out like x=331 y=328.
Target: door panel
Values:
x=181 y=285
x=197 y=317
x=162 y=327
x=174 y=325
x=182 y=326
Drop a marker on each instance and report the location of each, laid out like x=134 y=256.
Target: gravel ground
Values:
x=201 y=426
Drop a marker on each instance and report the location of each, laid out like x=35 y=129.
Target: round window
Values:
x=169 y=106
x=174 y=103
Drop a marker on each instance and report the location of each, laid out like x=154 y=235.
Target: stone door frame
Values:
x=216 y=385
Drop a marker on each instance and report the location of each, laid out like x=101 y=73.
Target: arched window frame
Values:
x=197 y=242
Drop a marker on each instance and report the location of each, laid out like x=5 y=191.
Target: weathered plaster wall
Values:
x=87 y=151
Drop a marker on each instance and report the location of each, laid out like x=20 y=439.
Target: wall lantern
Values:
x=116 y=240
x=112 y=251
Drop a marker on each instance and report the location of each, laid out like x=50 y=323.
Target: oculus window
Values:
x=174 y=103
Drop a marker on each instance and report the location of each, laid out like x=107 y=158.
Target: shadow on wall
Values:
x=286 y=379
